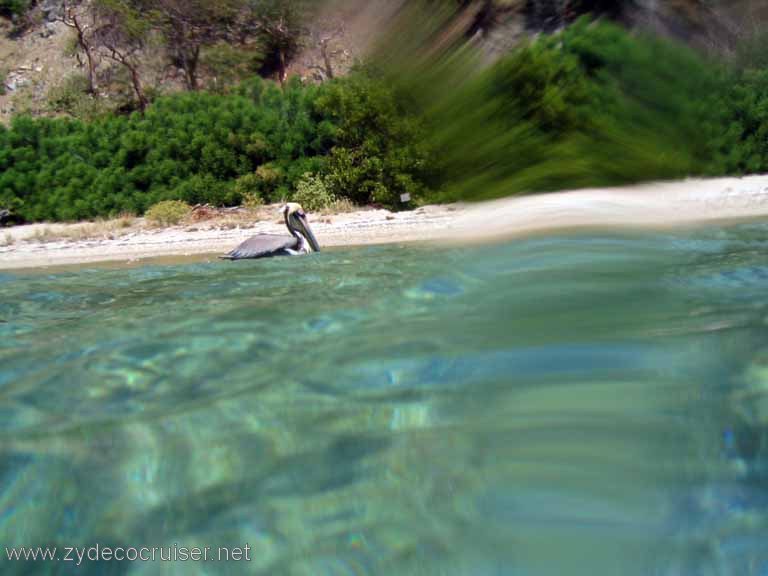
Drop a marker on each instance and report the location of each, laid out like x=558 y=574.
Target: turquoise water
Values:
x=590 y=404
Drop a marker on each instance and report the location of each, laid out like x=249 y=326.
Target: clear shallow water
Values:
x=567 y=405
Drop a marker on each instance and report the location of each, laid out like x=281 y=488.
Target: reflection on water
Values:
x=593 y=404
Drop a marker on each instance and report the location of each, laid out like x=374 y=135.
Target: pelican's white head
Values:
x=296 y=221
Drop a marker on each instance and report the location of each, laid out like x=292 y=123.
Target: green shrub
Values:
x=72 y=97
x=267 y=180
x=248 y=187
x=62 y=98
x=380 y=149
x=167 y=213
x=742 y=142
x=10 y=8
x=226 y=64
x=206 y=189
x=312 y=193
x=196 y=147
x=752 y=52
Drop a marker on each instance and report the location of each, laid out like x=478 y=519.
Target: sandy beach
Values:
x=655 y=205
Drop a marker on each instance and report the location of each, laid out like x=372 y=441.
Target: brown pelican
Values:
x=301 y=240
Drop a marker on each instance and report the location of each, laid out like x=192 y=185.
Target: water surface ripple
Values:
x=588 y=404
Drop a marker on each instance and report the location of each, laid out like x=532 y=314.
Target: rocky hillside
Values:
x=32 y=63
x=715 y=25
x=42 y=71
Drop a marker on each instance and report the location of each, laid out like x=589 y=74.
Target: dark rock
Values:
x=48 y=30
x=8 y=218
x=544 y=15
x=52 y=10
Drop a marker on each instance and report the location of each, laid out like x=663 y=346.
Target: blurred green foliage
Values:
x=590 y=106
x=743 y=143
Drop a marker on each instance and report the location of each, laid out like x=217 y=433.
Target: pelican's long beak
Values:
x=307 y=231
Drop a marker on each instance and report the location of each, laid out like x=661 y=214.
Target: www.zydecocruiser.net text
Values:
x=98 y=553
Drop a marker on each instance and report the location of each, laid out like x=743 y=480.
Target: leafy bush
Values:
x=167 y=213
x=247 y=188
x=312 y=193
x=10 y=8
x=267 y=179
x=742 y=142
x=380 y=147
x=72 y=97
x=206 y=189
x=61 y=98
x=752 y=52
x=206 y=148
x=226 y=65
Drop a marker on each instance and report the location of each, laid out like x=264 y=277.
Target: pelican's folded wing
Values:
x=263 y=246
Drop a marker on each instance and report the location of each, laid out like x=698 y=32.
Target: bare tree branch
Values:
x=83 y=31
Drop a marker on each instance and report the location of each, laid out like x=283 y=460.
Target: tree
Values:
x=188 y=26
x=123 y=35
x=280 y=25
x=83 y=25
x=323 y=36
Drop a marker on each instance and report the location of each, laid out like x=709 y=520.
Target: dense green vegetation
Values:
x=593 y=105
x=13 y=7
x=221 y=149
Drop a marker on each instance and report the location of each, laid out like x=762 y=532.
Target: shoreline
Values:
x=365 y=226
x=657 y=205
